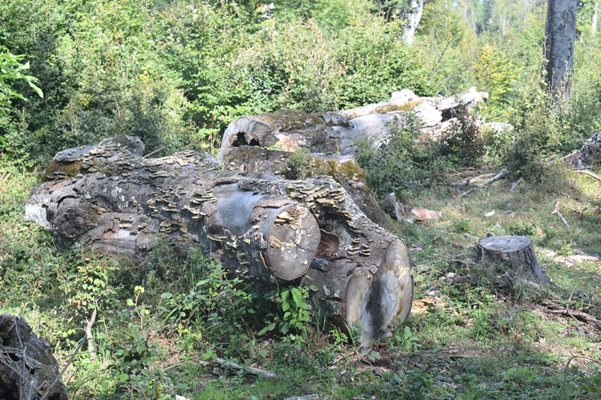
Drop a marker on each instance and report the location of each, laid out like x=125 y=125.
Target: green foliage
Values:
x=219 y=304
x=12 y=70
x=495 y=74
x=294 y=314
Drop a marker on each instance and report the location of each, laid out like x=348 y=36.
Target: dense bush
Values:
x=176 y=73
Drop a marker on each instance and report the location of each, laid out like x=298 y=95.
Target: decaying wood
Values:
x=239 y=367
x=516 y=252
x=340 y=132
x=28 y=370
x=115 y=201
x=589 y=154
x=263 y=163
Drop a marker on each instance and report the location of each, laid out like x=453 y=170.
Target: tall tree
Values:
x=413 y=15
x=560 y=36
x=595 y=18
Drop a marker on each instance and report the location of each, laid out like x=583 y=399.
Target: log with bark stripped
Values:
x=114 y=200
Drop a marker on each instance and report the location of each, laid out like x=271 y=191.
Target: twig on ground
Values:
x=558 y=213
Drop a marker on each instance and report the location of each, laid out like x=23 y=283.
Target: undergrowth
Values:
x=161 y=323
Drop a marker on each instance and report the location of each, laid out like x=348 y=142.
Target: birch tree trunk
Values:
x=413 y=16
x=595 y=19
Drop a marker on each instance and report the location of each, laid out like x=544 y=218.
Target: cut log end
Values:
x=375 y=304
x=292 y=242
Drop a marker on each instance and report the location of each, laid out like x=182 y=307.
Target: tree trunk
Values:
x=116 y=201
x=514 y=251
x=595 y=18
x=412 y=18
x=560 y=36
x=28 y=370
x=340 y=132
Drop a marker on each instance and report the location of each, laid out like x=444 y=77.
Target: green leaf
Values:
x=35 y=88
x=297 y=296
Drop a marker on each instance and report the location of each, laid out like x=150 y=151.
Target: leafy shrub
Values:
x=218 y=302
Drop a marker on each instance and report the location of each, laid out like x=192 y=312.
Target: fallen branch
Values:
x=589 y=173
x=232 y=365
x=152 y=153
x=515 y=184
x=89 y=337
x=481 y=180
x=553 y=308
x=558 y=213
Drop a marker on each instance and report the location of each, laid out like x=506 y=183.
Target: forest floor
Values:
x=467 y=338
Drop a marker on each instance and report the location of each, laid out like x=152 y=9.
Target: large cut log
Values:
x=517 y=253
x=340 y=132
x=116 y=201
x=28 y=370
x=263 y=163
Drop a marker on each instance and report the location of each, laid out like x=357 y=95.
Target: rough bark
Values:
x=116 y=201
x=515 y=252
x=412 y=18
x=262 y=163
x=560 y=36
x=340 y=132
x=28 y=370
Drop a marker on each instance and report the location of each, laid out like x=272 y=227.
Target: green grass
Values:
x=466 y=339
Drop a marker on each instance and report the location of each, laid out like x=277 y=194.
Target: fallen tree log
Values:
x=28 y=370
x=116 y=201
x=339 y=132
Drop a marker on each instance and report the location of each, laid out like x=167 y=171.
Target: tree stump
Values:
x=114 y=200
x=515 y=251
x=28 y=370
